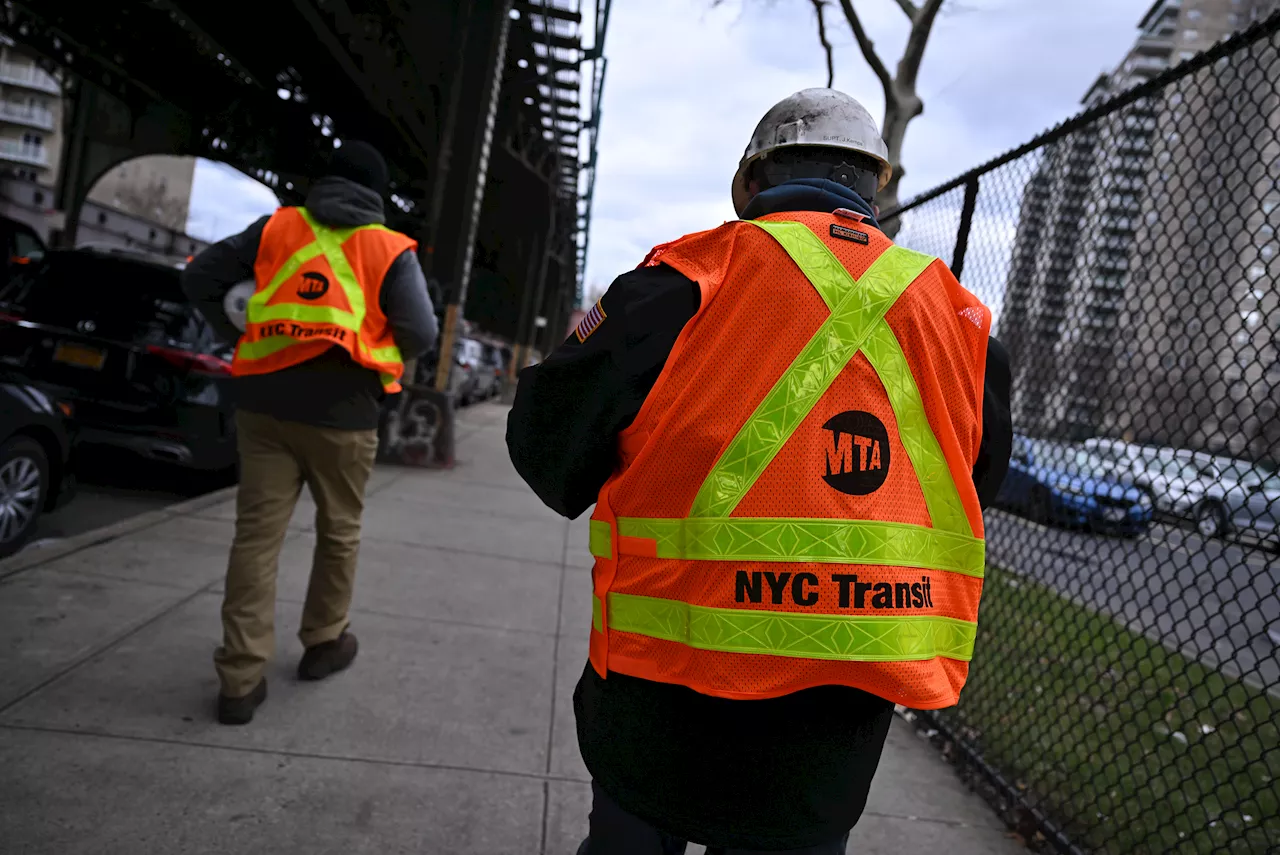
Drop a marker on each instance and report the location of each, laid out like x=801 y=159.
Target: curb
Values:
x=30 y=558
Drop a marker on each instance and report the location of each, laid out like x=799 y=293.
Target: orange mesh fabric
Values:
x=758 y=312
x=370 y=252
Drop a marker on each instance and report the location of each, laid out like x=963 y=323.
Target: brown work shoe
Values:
x=329 y=657
x=240 y=710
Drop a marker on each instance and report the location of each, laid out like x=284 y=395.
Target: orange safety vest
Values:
x=317 y=287
x=794 y=505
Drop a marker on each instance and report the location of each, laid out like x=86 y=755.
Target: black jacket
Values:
x=782 y=773
x=330 y=390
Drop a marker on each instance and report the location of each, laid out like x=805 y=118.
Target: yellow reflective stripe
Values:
x=306 y=314
x=390 y=353
x=262 y=348
x=597 y=614
x=823 y=541
x=860 y=308
x=600 y=539
x=946 y=511
x=883 y=351
x=849 y=638
x=331 y=241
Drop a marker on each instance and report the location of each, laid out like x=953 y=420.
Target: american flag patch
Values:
x=591 y=322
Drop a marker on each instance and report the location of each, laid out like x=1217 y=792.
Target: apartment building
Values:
x=1070 y=314
x=1198 y=361
x=30 y=116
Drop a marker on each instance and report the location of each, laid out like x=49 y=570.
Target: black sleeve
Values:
x=562 y=430
x=405 y=302
x=997 y=426
x=211 y=274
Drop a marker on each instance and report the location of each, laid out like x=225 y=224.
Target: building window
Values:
x=102 y=218
x=1190 y=35
x=1186 y=55
x=151 y=235
x=1193 y=15
x=38 y=198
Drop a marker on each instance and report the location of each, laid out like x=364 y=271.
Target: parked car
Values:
x=468 y=360
x=1250 y=507
x=1244 y=499
x=492 y=367
x=35 y=460
x=1071 y=486
x=1177 y=483
x=116 y=337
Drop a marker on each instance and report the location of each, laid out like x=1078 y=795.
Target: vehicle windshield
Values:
x=1184 y=469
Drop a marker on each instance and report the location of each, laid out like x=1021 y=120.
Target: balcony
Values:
x=29 y=76
x=16 y=151
x=31 y=117
x=1146 y=66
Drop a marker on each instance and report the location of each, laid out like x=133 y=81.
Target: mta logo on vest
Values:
x=858 y=459
x=314 y=286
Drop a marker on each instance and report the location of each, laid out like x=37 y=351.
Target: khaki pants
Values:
x=276 y=458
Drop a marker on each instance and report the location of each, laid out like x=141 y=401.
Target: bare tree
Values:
x=819 y=9
x=902 y=102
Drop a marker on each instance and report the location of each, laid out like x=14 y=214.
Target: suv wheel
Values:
x=24 y=485
x=1210 y=520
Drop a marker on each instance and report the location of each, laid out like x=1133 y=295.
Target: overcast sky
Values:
x=687 y=83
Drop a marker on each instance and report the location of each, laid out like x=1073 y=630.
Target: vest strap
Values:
x=850 y=638
x=824 y=541
x=858 y=309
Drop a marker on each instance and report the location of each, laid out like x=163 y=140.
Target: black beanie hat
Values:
x=362 y=163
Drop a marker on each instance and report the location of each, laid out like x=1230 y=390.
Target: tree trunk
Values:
x=901 y=103
x=898 y=114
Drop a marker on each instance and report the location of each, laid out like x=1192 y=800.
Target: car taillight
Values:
x=10 y=317
x=198 y=363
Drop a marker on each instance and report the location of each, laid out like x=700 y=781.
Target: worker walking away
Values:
x=338 y=304
x=788 y=426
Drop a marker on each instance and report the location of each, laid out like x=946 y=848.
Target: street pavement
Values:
x=1215 y=602
x=452 y=733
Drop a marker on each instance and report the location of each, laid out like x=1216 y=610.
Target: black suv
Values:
x=35 y=460
x=115 y=336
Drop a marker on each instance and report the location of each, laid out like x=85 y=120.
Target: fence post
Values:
x=966 y=220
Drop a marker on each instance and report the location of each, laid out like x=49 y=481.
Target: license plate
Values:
x=85 y=357
x=1114 y=514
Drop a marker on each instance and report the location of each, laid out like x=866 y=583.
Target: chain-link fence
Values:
x=1125 y=692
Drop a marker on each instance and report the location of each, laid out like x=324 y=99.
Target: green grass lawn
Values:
x=1132 y=748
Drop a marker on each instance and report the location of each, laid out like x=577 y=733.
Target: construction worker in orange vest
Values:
x=335 y=305
x=789 y=427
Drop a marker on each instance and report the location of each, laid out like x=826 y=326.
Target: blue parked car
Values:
x=1070 y=486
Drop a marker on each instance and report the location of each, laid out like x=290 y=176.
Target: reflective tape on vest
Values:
x=852 y=321
x=794 y=540
x=850 y=638
x=881 y=348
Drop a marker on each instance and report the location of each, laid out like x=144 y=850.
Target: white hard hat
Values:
x=236 y=303
x=813 y=117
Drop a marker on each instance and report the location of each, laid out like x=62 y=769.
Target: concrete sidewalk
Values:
x=453 y=732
